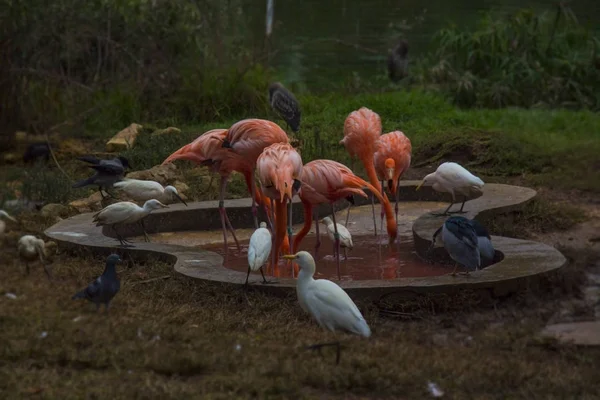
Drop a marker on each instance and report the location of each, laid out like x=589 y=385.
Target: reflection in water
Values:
x=370 y=259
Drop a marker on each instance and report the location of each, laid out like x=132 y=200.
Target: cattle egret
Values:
x=140 y=190
x=460 y=241
x=126 y=212
x=259 y=250
x=4 y=214
x=344 y=234
x=30 y=248
x=326 y=302
x=452 y=178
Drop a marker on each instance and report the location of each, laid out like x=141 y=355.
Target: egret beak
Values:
x=419 y=186
x=11 y=218
x=179 y=198
x=290 y=256
x=163 y=205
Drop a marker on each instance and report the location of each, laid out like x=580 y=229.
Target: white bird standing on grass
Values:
x=4 y=214
x=345 y=237
x=140 y=190
x=30 y=248
x=126 y=212
x=259 y=250
x=452 y=178
x=461 y=242
x=326 y=302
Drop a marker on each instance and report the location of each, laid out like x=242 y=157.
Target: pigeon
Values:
x=36 y=151
x=108 y=172
x=105 y=287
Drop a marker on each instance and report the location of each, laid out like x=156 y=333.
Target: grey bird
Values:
x=108 y=172
x=398 y=62
x=461 y=243
x=105 y=287
x=484 y=243
x=284 y=103
x=36 y=151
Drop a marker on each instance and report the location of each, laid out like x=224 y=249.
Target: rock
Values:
x=181 y=188
x=74 y=147
x=55 y=210
x=125 y=139
x=10 y=158
x=163 y=174
x=167 y=131
x=592 y=295
x=579 y=333
x=88 y=204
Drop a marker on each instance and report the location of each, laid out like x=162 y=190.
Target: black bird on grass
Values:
x=108 y=172
x=105 y=287
x=398 y=62
x=285 y=105
x=36 y=151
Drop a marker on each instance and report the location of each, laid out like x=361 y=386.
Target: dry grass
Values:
x=218 y=342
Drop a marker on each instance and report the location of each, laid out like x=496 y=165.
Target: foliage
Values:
x=113 y=61
x=525 y=59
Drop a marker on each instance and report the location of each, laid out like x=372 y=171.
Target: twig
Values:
x=153 y=279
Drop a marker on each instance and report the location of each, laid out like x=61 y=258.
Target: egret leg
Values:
x=265 y=281
x=336 y=237
x=47 y=271
x=345 y=253
x=373 y=207
x=446 y=211
x=248 y=275
x=319 y=346
x=254 y=209
x=146 y=238
x=461 y=207
x=350 y=199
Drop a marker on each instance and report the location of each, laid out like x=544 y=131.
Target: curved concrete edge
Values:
x=504 y=277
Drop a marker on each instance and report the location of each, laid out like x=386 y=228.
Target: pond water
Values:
x=370 y=259
x=316 y=42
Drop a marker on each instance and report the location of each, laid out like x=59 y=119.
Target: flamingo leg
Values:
x=225 y=224
x=336 y=237
x=397 y=194
x=318 y=242
x=373 y=207
x=254 y=209
x=382 y=211
x=272 y=216
x=290 y=233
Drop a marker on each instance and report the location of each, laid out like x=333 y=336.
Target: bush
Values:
x=525 y=59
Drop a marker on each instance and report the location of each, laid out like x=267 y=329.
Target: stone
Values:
x=55 y=210
x=88 y=204
x=167 y=131
x=592 y=295
x=579 y=333
x=163 y=174
x=125 y=139
x=74 y=147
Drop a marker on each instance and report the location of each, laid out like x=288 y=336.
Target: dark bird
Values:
x=105 y=287
x=398 y=62
x=461 y=242
x=36 y=151
x=108 y=172
x=285 y=104
x=484 y=242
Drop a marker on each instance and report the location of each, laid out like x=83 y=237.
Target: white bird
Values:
x=126 y=212
x=345 y=236
x=140 y=190
x=326 y=302
x=259 y=250
x=30 y=248
x=452 y=178
x=4 y=214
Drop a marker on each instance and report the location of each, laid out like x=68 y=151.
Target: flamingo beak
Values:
x=390 y=173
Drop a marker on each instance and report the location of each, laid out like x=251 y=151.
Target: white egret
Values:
x=126 y=212
x=326 y=302
x=259 y=250
x=30 y=248
x=452 y=178
x=140 y=190
x=461 y=243
x=4 y=214
x=345 y=237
